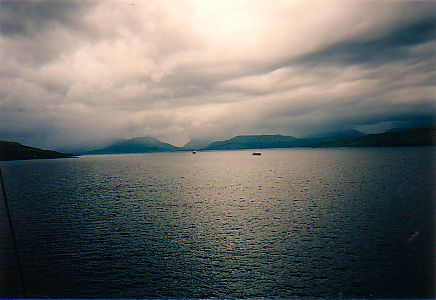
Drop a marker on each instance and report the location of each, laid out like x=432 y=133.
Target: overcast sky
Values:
x=81 y=73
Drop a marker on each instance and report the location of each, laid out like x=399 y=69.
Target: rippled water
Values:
x=290 y=223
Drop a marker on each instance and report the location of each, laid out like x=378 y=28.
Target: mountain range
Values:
x=346 y=138
x=392 y=138
x=343 y=138
x=256 y=142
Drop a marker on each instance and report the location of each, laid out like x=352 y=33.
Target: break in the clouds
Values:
x=80 y=73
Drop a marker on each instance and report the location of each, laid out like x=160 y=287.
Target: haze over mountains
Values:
x=349 y=138
x=344 y=138
x=392 y=138
x=148 y=144
x=195 y=144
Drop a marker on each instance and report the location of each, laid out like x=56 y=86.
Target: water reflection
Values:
x=227 y=224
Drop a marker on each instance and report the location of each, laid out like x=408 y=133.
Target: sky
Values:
x=82 y=73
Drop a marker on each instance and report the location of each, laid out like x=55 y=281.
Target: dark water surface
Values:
x=290 y=223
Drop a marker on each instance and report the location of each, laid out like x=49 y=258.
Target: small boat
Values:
x=194 y=152
x=256 y=153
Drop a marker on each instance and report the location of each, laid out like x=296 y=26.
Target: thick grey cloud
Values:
x=81 y=73
x=30 y=17
x=391 y=47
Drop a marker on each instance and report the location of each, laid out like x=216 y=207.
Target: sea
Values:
x=290 y=223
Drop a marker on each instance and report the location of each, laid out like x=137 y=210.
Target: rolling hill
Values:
x=334 y=136
x=16 y=151
x=256 y=142
x=392 y=138
x=135 y=145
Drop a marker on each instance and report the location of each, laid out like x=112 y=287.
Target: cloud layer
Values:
x=81 y=73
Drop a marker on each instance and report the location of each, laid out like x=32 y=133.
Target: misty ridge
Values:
x=347 y=138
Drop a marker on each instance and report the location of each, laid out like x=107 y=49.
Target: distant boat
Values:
x=194 y=152
x=256 y=153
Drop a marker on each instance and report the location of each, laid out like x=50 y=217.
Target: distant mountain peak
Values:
x=135 y=145
x=197 y=144
x=341 y=138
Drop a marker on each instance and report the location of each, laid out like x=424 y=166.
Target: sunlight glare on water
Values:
x=289 y=223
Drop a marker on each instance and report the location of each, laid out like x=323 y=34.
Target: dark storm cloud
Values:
x=81 y=73
x=393 y=46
